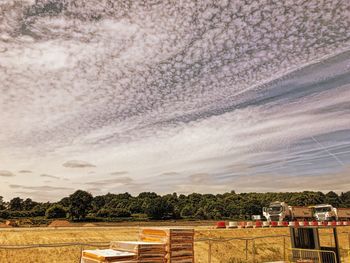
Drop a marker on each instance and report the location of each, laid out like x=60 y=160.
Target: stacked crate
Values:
x=179 y=242
x=107 y=256
x=146 y=252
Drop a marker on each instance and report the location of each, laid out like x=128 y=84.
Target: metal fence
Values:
x=315 y=256
x=265 y=248
x=207 y=249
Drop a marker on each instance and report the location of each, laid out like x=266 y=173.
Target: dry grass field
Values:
x=268 y=248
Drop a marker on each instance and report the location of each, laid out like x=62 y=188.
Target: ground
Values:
x=269 y=246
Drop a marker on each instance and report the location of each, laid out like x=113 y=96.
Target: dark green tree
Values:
x=16 y=204
x=79 y=204
x=56 y=211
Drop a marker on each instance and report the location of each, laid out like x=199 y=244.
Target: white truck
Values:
x=281 y=211
x=327 y=212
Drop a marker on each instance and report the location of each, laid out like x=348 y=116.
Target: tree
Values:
x=16 y=204
x=158 y=208
x=333 y=199
x=56 y=211
x=79 y=204
x=28 y=204
x=187 y=211
x=345 y=199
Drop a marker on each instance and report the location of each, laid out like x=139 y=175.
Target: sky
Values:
x=173 y=96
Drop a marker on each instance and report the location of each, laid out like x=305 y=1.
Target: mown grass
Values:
x=266 y=249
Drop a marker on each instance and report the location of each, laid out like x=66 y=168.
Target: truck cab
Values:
x=276 y=211
x=325 y=212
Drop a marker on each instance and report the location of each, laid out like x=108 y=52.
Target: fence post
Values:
x=209 y=251
x=246 y=249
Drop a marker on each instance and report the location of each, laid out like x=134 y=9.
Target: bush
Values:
x=116 y=212
x=56 y=211
x=119 y=212
x=4 y=214
x=102 y=212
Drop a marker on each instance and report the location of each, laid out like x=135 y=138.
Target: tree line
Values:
x=82 y=205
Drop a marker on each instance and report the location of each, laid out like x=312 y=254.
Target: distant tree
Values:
x=40 y=209
x=345 y=199
x=4 y=214
x=333 y=199
x=98 y=202
x=16 y=204
x=187 y=211
x=119 y=212
x=64 y=202
x=28 y=204
x=103 y=212
x=158 y=208
x=200 y=214
x=2 y=203
x=79 y=204
x=56 y=211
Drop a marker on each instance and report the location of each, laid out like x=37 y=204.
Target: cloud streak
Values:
x=4 y=173
x=77 y=164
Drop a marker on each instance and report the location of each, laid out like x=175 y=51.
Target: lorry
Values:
x=326 y=212
x=281 y=211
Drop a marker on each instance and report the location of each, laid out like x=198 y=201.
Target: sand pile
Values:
x=60 y=223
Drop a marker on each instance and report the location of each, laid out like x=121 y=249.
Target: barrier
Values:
x=333 y=223
x=291 y=223
x=232 y=224
x=221 y=224
x=241 y=224
x=313 y=223
x=273 y=224
x=249 y=224
x=258 y=224
x=314 y=255
x=266 y=224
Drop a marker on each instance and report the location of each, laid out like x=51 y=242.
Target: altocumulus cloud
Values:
x=233 y=89
x=77 y=164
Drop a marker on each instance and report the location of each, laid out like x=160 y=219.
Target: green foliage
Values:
x=4 y=214
x=16 y=204
x=159 y=208
x=56 y=211
x=171 y=206
x=79 y=204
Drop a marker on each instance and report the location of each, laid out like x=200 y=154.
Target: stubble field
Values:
x=270 y=244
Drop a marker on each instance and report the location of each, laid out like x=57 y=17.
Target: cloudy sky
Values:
x=207 y=96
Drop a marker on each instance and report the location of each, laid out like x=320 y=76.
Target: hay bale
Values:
x=60 y=223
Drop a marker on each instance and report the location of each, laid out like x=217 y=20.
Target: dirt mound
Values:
x=4 y=225
x=60 y=223
x=89 y=224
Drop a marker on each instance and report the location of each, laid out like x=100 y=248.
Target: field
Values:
x=273 y=246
